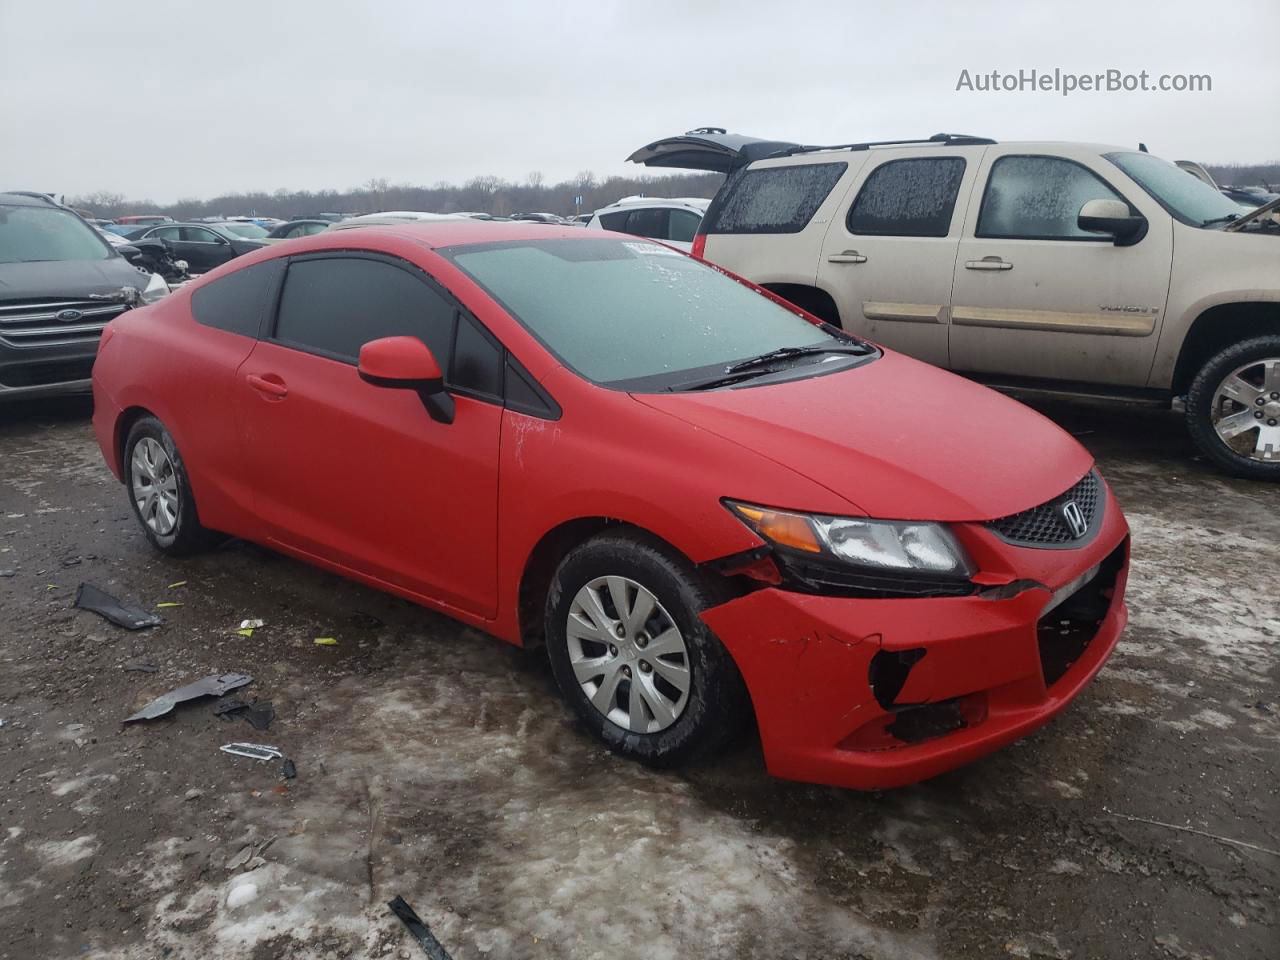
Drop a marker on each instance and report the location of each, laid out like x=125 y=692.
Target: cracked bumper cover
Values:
x=807 y=662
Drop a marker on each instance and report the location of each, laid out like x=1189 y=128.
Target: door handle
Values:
x=988 y=263
x=273 y=388
x=849 y=256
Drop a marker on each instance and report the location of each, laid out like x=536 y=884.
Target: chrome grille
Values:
x=40 y=323
x=1046 y=525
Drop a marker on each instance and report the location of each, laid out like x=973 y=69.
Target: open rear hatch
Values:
x=708 y=148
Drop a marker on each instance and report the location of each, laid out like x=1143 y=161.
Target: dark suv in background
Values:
x=60 y=284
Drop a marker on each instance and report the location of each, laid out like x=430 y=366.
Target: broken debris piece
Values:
x=259 y=714
x=140 y=666
x=288 y=769
x=327 y=641
x=213 y=686
x=89 y=597
x=254 y=751
x=420 y=931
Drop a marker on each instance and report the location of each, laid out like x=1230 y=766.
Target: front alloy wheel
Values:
x=628 y=655
x=1246 y=410
x=631 y=653
x=1233 y=408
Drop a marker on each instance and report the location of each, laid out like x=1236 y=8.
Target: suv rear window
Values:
x=773 y=199
x=908 y=198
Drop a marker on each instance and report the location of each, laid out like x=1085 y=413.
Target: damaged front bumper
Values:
x=877 y=693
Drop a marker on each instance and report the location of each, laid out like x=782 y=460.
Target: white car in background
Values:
x=390 y=217
x=674 y=220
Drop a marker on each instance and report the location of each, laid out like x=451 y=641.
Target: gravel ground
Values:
x=436 y=763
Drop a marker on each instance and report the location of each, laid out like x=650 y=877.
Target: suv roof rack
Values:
x=945 y=139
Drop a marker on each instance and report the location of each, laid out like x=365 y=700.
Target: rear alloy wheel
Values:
x=159 y=491
x=631 y=654
x=1233 y=408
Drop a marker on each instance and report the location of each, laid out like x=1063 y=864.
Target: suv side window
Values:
x=684 y=225
x=908 y=198
x=614 y=221
x=773 y=199
x=333 y=306
x=648 y=223
x=1039 y=198
x=238 y=301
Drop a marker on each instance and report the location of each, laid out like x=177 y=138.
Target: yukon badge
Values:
x=1073 y=516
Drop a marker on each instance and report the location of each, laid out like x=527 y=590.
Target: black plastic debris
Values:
x=140 y=666
x=259 y=714
x=288 y=770
x=418 y=929
x=214 y=686
x=89 y=597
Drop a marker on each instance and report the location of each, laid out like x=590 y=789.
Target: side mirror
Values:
x=1112 y=217
x=407 y=363
x=129 y=252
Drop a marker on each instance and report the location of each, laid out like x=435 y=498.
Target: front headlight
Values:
x=155 y=289
x=876 y=545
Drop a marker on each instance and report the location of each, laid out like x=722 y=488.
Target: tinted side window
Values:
x=335 y=305
x=684 y=225
x=165 y=233
x=908 y=198
x=239 y=301
x=773 y=199
x=614 y=221
x=1039 y=198
x=477 y=360
x=648 y=223
x=199 y=235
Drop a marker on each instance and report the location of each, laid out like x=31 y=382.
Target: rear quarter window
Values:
x=773 y=199
x=240 y=301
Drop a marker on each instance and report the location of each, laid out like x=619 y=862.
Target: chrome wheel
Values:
x=628 y=655
x=154 y=486
x=1246 y=410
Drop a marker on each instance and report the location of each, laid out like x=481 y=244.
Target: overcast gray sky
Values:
x=192 y=99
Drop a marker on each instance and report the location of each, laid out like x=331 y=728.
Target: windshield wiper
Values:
x=791 y=353
x=1223 y=219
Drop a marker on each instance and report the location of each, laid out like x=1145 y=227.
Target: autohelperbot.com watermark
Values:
x=1066 y=82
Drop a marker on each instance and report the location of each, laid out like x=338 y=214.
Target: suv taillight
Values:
x=699 y=245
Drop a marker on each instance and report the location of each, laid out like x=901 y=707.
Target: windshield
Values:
x=619 y=310
x=1184 y=195
x=29 y=234
x=250 y=231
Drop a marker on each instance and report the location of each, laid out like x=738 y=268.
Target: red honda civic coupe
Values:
x=707 y=504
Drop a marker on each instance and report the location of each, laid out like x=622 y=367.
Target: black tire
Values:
x=187 y=535
x=717 y=703
x=1200 y=407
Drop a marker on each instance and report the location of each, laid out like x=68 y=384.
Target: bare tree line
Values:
x=1246 y=175
x=483 y=194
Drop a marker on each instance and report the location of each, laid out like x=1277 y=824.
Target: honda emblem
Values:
x=1073 y=516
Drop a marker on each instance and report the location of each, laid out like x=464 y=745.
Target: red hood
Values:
x=897 y=438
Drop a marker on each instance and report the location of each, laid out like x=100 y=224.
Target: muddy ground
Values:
x=436 y=763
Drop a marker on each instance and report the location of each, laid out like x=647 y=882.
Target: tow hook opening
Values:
x=888 y=673
x=906 y=726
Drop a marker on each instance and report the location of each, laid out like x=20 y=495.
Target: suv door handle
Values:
x=849 y=256
x=270 y=385
x=988 y=263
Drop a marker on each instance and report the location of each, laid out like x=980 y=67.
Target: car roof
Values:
x=631 y=203
x=434 y=234
x=25 y=200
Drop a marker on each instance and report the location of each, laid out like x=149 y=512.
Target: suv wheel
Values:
x=159 y=491
x=631 y=655
x=1233 y=408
